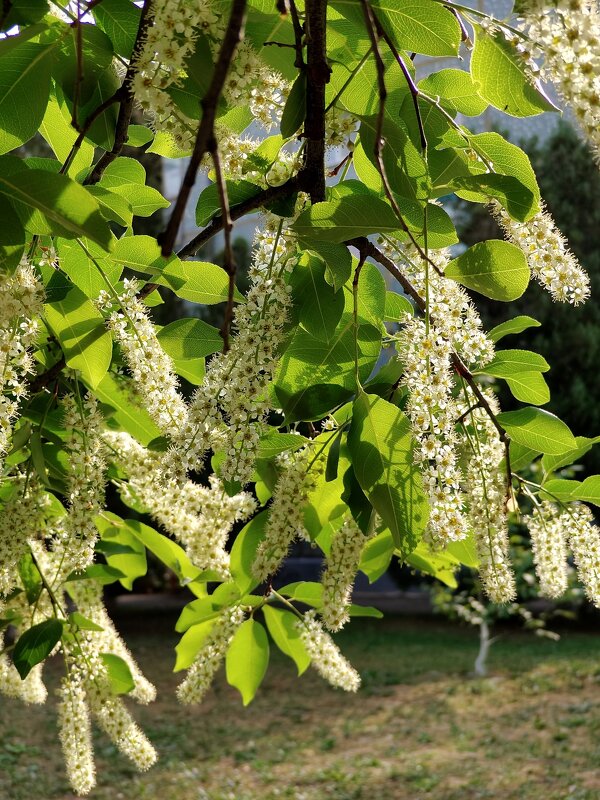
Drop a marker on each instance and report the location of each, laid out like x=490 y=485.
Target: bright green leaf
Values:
x=247 y=659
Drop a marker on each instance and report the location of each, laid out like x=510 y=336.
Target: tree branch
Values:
x=318 y=73
x=205 y=138
x=228 y=260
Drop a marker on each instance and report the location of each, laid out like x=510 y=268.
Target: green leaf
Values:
x=282 y=627
x=127 y=415
x=584 y=445
x=83 y=623
x=189 y=338
x=345 y=218
x=30 y=578
x=316 y=305
x=197 y=281
x=456 y=91
x=294 y=111
x=397 y=306
x=80 y=260
x=507 y=363
x=512 y=326
x=247 y=659
x=338 y=262
x=119 y=674
x=167 y=551
x=57 y=130
x=12 y=236
x=529 y=387
x=516 y=198
x=589 y=491
x=131 y=563
x=24 y=90
x=273 y=443
x=500 y=77
x=119 y=19
x=495 y=269
x=506 y=159
x=24 y=12
x=81 y=333
x=381 y=446
x=244 y=550
x=127 y=177
x=35 y=645
x=69 y=208
x=209 y=203
x=560 y=489
x=377 y=555
x=422 y=26
x=538 y=430
x=308 y=592
x=441 y=564
x=101 y=573
x=190 y=644
x=139 y=135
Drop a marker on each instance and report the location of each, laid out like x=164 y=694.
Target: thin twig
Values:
x=126 y=98
x=298 y=36
x=79 y=66
x=205 y=138
x=228 y=259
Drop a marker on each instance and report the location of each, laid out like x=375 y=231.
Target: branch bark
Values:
x=318 y=73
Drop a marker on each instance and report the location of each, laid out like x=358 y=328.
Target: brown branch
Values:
x=228 y=260
x=318 y=73
x=205 y=138
x=126 y=99
x=367 y=248
x=239 y=210
x=79 y=66
x=298 y=36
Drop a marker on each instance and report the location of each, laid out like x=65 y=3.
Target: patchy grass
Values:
x=421 y=727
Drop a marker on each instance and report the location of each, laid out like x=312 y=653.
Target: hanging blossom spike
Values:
x=21 y=299
x=551 y=262
x=75 y=734
x=340 y=571
x=88 y=598
x=286 y=513
x=151 y=368
x=326 y=656
x=22 y=520
x=86 y=482
x=31 y=690
x=227 y=411
x=200 y=675
x=548 y=528
x=584 y=539
x=566 y=33
x=200 y=517
x=485 y=489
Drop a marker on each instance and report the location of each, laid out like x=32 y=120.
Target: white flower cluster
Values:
x=340 y=128
x=433 y=413
x=21 y=519
x=338 y=578
x=83 y=424
x=200 y=517
x=567 y=34
x=21 y=298
x=548 y=255
x=584 y=538
x=286 y=513
x=548 y=528
x=228 y=409
x=200 y=675
x=151 y=368
x=31 y=690
x=87 y=595
x=485 y=490
x=162 y=63
x=325 y=655
x=85 y=689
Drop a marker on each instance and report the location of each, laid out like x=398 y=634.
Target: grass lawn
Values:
x=420 y=727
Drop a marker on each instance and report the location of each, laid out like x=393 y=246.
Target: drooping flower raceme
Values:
x=325 y=655
x=83 y=423
x=200 y=517
x=341 y=568
x=584 y=538
x=566 y=33
x=151 y=368
x=551 y=262
x=75 y=732
x=21 y=298
x=548 y=528
x=286 y=513
x=228 y=409
x=200 y=675
x=485 y=491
